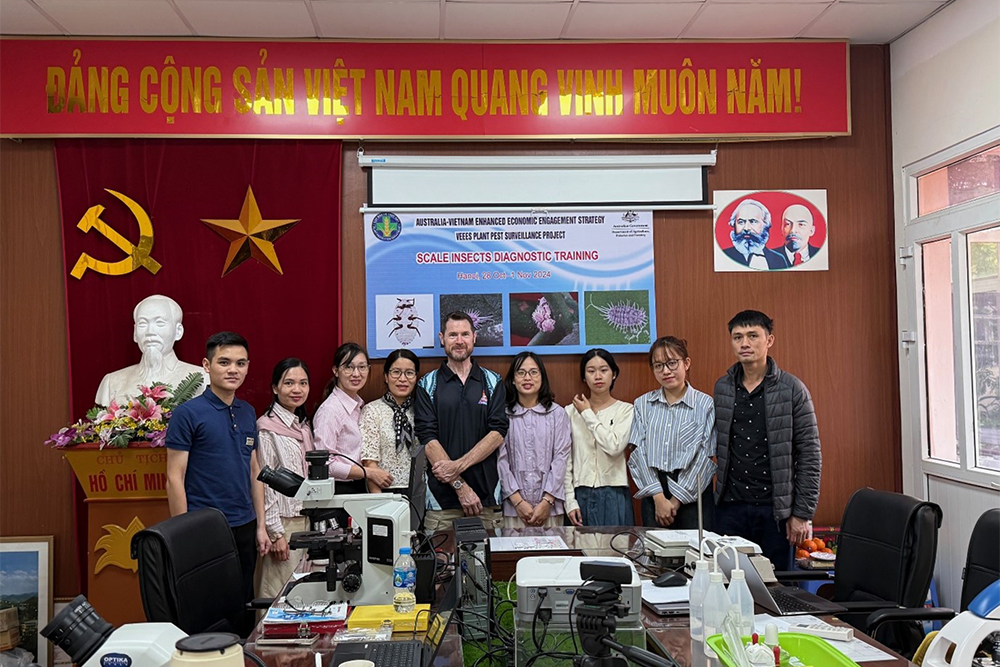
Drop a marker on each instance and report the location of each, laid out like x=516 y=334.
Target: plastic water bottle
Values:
x=699 y=587
x=716 y=607
x=404 y=581
x=739 y=595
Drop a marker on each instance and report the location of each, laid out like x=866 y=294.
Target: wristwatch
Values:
x=457 y=484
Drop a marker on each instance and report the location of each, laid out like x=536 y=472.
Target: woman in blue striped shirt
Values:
x=673 y=432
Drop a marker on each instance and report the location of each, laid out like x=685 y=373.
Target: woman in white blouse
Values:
x=284 y=436
x=387 y=439
x=597 y=492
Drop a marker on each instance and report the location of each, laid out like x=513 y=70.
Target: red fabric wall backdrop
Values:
x=178 y=183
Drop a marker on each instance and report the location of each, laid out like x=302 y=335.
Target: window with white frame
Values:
x=952 y=240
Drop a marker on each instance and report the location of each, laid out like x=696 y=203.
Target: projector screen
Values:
x=649 y=182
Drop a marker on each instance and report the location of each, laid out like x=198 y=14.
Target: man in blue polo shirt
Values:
x=211 y=454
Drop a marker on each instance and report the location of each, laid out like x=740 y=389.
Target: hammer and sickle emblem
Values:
x=138 y=255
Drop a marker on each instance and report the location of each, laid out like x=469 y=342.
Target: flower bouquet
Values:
x=143 y=417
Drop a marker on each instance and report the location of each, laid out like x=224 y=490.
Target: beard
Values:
x=459 y=355
x=151 y=364
x=794 y=243
x=752 y=244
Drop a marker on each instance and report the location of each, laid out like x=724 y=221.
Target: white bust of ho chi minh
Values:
x=157 y=327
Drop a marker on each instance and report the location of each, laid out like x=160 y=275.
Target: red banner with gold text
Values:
x=77 y=87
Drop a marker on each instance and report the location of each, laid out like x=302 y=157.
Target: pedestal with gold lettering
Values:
x=126 y=491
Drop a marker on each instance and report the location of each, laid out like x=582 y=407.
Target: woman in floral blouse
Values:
x=387 y=440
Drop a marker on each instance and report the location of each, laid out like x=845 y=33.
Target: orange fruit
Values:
x=801 y=553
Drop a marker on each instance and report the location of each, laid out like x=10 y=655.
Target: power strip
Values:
x=826 y=631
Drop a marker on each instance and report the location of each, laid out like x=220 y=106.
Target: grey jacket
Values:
x=792 y=439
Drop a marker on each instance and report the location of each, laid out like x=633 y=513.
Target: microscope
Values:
x=359 y=550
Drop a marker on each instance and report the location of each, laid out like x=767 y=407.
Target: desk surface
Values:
x=663 y=633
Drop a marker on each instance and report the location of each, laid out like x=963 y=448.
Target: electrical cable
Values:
x=558 y=655
x=416 y=621
x=363 y=471
x=572 y=625
x=542 y=594
x=629 y=555
x=254 y=658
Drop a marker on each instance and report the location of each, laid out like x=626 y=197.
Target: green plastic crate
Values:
x=812 y=651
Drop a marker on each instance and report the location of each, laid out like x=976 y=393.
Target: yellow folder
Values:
x=371 y=616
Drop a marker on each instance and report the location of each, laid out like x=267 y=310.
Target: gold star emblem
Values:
x=251 y=236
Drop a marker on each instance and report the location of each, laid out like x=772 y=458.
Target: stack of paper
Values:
x=528 y=543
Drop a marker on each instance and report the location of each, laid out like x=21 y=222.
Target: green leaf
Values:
x=92 y=413
x=121 y=440
x=186 y=390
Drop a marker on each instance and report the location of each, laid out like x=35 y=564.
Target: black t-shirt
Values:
x=749 y=476
x=458 y=416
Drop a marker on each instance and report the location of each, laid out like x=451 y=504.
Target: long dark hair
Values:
x=277 y=374
x=343 y=355
x=603 y=354
x=545 y=395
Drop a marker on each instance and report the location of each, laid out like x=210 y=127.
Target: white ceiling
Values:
x=861 y=21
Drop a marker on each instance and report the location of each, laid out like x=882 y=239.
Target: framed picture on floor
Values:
x=26 y=595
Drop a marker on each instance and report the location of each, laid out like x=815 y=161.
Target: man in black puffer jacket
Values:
x=769 y=461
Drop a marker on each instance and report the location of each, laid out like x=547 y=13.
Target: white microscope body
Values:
x=966 y=632
x=383 y=520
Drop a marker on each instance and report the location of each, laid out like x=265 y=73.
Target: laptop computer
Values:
x=777 y=599
x=408 y=653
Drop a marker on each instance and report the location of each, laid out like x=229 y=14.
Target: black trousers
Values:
x=757 y=524
x=246 y=547
x=687 y=514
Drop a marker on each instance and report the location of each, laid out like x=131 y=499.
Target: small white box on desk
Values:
x=560 y=575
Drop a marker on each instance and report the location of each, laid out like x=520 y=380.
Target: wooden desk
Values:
x=669 y=634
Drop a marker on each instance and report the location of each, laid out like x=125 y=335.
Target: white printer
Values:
x=560 y=575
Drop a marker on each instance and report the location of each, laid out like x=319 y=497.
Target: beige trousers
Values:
x=272 y=574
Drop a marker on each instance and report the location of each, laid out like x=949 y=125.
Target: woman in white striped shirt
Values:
x=283 y=437
x=673 y=432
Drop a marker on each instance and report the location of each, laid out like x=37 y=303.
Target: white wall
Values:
x=945 y=77
x=945 y=86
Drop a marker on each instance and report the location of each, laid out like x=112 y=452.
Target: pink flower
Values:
x=157 y=392
x=543 y=316
x=63 y=438
x=143 y=409
x=158 y=438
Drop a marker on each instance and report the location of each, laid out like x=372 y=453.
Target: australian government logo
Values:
x=386 y=226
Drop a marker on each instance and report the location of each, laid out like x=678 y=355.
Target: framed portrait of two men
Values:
x=771 y=230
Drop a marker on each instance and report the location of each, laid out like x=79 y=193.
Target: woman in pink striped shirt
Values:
x=337 y=423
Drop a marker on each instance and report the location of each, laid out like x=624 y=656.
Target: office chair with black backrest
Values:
x=189 y=573
x=982 y=568
x=885 y=559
